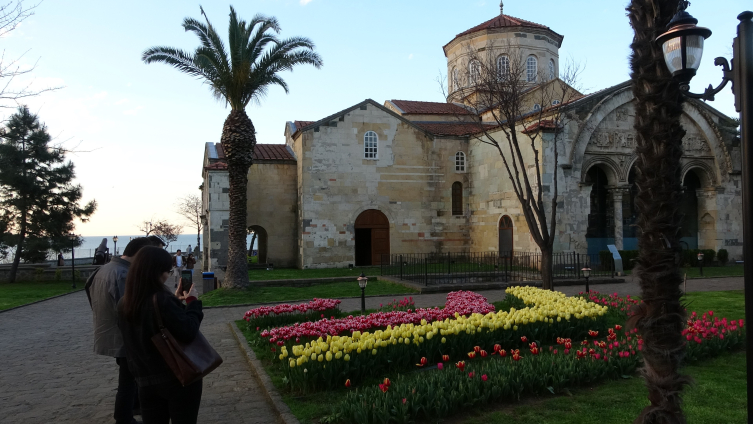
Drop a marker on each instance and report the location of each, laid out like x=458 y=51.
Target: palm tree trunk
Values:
x=238 y=142
x=661 y=317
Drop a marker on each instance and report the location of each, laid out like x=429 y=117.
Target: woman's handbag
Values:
x=188 y=361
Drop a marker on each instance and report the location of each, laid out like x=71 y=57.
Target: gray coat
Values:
x=108 y=286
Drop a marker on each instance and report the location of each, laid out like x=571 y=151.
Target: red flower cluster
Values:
x=707 y=328
x=314 y=305
x=461 y=302
x=385 y=385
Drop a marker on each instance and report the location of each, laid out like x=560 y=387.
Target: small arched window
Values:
x=503 y=67
x=536 y=107
x=459 y=162
x=474 y=72
x=457 y=198
x=532 y=67
x=552 y=72
x=454 y=80
x=370 y=145
x=555 y=102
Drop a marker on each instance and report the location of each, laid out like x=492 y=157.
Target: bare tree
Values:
x=190 y=208
x=522 y=117
x=12 y=14
x=147 y=226
x=168 y=232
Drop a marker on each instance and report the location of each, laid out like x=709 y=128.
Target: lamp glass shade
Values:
x=586 y=272
x=672 y=49
x=115 y=239
x=693 y=51
x=362 y=283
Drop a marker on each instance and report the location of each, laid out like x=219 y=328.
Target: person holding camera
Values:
x=163 y=398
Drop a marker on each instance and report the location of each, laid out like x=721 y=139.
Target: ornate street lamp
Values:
x=72 y=237
x=115 y=242
x=586 y=273
x=700 y=262
x=362 y=280
x=683 y=34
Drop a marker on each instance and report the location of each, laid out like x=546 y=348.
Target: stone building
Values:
x=413 y=177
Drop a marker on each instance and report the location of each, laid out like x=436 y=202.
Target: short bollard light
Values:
x=586 y=274
x=115 y=242
x=362 y=280
x=700 y=263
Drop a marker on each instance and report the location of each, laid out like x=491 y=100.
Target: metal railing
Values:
x=461 y=268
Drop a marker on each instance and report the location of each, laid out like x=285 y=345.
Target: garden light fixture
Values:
x=700 y=262
x=362 y=280
x=682 y=45
x=586 y=274
x=115 y=242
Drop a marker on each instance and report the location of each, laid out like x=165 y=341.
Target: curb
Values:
x=40 y=301
x=284 y=416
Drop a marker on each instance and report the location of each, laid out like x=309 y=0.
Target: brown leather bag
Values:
x=188 y=361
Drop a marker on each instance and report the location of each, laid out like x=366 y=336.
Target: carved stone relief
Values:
x=695 y=145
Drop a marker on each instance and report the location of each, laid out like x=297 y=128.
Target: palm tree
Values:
x=237 y=75
x=661 y=317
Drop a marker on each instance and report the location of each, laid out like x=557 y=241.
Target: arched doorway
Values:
x=372 y=237
x=505 y=236
x=600 y=232
x=257 y=236
x=689 y=209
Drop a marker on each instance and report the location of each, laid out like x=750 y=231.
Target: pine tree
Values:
x=37 y=196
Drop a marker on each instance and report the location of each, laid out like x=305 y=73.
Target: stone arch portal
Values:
x=372 y=230
x=506 y=245
x=258 y=235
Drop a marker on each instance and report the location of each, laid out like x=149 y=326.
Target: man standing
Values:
x=105 y=288
x=179 y=264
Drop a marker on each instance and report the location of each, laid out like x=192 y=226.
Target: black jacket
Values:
x=144 y=360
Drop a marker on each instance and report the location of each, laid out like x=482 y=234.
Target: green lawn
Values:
x=294 y=273
x=714 y=271
x=278 y=294
x=718 y=396
x=23 y=292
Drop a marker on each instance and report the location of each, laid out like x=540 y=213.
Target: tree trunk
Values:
x=547 y=276
x=19 y=248
x=251 y=247
x=238 y=142
x=661 y=317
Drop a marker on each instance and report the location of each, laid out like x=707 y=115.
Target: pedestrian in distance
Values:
x=105 y=287
x=61 y=260
x=163 y=398
x=101 y=253
x=179 y=264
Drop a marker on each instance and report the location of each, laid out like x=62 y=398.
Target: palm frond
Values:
x=178 y=59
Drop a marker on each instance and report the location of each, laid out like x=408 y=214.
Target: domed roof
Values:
x=506 y=21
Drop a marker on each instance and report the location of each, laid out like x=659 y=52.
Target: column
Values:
x=617 y=198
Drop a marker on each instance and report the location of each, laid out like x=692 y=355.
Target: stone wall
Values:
x=217 y=206
x=272 y=205
x=410 y=182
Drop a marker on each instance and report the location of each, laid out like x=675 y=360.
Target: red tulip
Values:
x=524 y=339
x=484 y=377
x=404 y=400
x=347 y=383
x=460 y=365
x=423 y=362
x=470 y=374
x=502 y=353
x=497 y=348
x=593 y=333
x=618 y=327
x=516 y=357
x=440 y=366
x=476 y=349
x=483 y=354
x=387 y=382
x=446 y=358
x=471 y=355
x=384 y=388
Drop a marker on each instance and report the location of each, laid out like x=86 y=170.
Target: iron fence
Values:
x=454 y=268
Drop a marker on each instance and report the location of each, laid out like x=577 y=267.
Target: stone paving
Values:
x=49 y=373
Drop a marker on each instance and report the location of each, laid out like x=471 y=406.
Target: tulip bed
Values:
x=268 y=316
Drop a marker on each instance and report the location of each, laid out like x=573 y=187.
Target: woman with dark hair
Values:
x=162 y=397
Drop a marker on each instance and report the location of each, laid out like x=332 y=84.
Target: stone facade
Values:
x=435 y=187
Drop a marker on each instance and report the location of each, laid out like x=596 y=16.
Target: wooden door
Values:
x=376 y=224
x=505 y=236
x=380 y=245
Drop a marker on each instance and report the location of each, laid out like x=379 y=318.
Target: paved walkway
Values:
x=49 y=373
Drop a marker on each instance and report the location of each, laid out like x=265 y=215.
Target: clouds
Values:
x=305 y=2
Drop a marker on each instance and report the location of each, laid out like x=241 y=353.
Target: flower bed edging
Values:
x=273 y=396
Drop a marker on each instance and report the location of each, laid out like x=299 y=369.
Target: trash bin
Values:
x=207 y=281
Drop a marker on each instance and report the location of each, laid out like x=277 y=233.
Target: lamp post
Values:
x=700 y=263
x=115 y=242
x=362 y=280
x=72 y=237
x=682 y=45
x=586 y=273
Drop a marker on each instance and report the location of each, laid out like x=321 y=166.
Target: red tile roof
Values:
x=458 y=129
x=544 y=125
x=301 y=124
x=261 y=152
x=505 y=21
x=429 y=108
x=217 y=166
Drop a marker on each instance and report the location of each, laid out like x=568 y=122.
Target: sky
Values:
x=138 y=131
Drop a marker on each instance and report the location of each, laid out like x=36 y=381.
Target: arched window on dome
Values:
x=370 y=145
x=454 y=80
x=552 y=71
x=503 y=66
x=536 y=107
x=459 y=162
x=474 y=72
x=532 y=68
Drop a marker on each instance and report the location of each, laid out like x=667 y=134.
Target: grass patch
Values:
x=725 y=304
x=294 y=273
x=709 y=272
x=334 y=290
x=24 y=292
x=718 y=396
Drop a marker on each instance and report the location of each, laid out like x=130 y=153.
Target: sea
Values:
x=92 y=242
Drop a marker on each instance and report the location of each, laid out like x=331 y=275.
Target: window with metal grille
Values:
x=503 y=67
x=474 y=72
x=459 y=162
x=457 y=198
x=552 y=72
x=532 y=66
x=370 y=145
